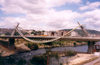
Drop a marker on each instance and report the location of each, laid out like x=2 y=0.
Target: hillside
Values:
x=80 y=32
x=6 y=31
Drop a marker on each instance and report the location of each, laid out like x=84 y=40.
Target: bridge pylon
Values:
x=12 y=40
x=91 y=46
x=83 y=29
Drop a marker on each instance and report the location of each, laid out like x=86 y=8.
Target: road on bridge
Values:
x=52 y=37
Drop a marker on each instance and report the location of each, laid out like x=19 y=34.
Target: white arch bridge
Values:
x=45 y=39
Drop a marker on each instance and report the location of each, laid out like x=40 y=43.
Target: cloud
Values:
x=93 y=14
x=53 y=20
x=39 y=14
x=55 y=3
x=33 y=6
x=93 y=5
x=92 y=19
x=63 y=19
x=23 y=6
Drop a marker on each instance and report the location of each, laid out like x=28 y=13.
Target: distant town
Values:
x=77 y=32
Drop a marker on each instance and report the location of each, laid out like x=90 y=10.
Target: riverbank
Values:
x=27 y=56
x=54 y=44
x=6 y=50
x=81 y=59
x=96 y=61
x=24 y=48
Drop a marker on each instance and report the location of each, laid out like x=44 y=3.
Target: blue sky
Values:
x=50 y=14
x=74 y=7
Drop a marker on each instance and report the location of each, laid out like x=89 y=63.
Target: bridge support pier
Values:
x=91 y=46
x=11 y=42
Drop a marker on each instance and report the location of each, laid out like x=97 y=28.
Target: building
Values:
x=62 y=33
x=56 y=33
x=50 y=33
x=74 y=34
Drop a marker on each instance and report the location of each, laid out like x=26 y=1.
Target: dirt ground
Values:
x=97 y=63
x=6 y=50
x=81 y=59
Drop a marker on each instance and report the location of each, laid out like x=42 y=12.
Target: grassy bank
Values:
x=50 y=44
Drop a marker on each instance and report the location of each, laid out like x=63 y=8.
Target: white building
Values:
x=73 y=34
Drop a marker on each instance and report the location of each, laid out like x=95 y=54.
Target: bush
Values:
x=21 y=62
x=1 y=61
x=70 y=53
x=35 y=47
x=39 y=60
x=54 y=54
x=11 y=61
x=32 y=46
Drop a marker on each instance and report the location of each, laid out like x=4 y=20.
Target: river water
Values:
x=12 y=60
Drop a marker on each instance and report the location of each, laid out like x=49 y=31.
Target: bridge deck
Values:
x=52 y=37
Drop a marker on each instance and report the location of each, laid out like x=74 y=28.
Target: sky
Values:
x=50 y=14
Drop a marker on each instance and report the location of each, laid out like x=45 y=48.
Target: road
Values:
x=53 y=37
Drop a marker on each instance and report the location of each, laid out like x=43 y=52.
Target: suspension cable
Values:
x=34 y=41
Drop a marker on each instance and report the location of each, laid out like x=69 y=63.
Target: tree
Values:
x=7 y=33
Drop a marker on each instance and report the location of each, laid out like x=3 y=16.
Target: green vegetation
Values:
x=74 y=44
x=32 y=46
x=7 y=33
x=52 y=54
x=39 y=60
x=42 y=59
x=70 y=53
x=33 y=32
x=60 y=43
x=61 y=64
x=11 y=41
x=16 y=33
x=11 y=61
x=1 y=61
x=37 y=32
x=4 y=42
x=21 y=62
x=35 y=46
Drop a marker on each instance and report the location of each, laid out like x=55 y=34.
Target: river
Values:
x=12 y=60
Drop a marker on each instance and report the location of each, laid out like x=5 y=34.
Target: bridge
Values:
x=96 y=39
x=45 y=39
